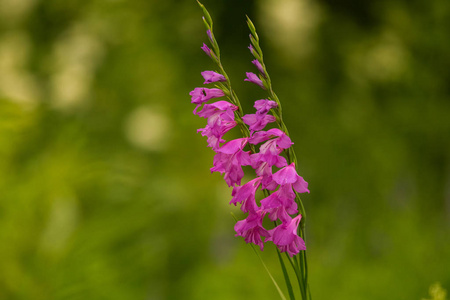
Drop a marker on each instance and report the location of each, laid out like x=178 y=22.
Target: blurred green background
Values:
x=105 y=189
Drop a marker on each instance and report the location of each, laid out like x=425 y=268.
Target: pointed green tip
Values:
x=206 y=13
x=250 y=25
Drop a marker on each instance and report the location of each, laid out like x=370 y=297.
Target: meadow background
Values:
x=105 y=189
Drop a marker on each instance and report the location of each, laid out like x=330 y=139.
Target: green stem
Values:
x=286 y=276
x=299 y=275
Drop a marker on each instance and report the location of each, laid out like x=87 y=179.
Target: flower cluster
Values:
x=279 y=186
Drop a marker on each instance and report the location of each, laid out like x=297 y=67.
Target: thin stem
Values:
x=299 y=275
x=286 y=276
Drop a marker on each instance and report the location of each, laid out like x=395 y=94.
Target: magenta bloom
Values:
x=265 y=171
x=211 y=76
x=215 y=132
x=220 y=120
x=259 y=66
x=251 y=229
x=245 y=195
x=263 y=106
x=252 y=77
x=206 y=49
x=269 y=152
x=280 y=203
x=270 y=155
x=257 y=122
x=281 y=139
x=286 y=238
x=229 y=160
x=252 y=50
x=288 y=175
x=200 y=95
x=219 y=106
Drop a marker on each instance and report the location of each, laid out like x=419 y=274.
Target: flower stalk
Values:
x=281 y=186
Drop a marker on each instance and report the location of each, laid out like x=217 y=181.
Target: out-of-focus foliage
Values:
x=105 y=191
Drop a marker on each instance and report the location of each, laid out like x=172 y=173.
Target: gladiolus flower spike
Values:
x=268 y=152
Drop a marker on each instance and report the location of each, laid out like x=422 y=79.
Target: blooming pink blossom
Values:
x=251 y=229
x=280 y=203
x=263 y=170
x=211 y=76
x=245 y=195
x=286 y=238
x=288 y=175
x=263 y=106
x=218 y=106
x=281 y=139
x=269 y=155
x=229 y=160
x=220 y=120
x=252 y=77
x=269 y=152
x=201 y=95
x=257 y=122
x=215 y=132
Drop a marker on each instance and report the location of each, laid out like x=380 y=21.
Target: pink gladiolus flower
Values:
x=288 y=175
x=259 y=66
x=251 y=229
x=257 y=122
x=286 y=238
x=206 y=49
x=272 y=159
x=252 y=50
x=245 y=195
x=201 y=95
x=211 y=76
x=229 y=160
x=269 y=152
x=219 y=106
x=265 y=171
x=216 y=131
x=263 y=106
x=270 y=156
x=281 y=139
x=280 y=203
x=220 y=120
x=252 y=77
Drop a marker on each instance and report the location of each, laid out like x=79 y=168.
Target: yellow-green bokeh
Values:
x=105 y=188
